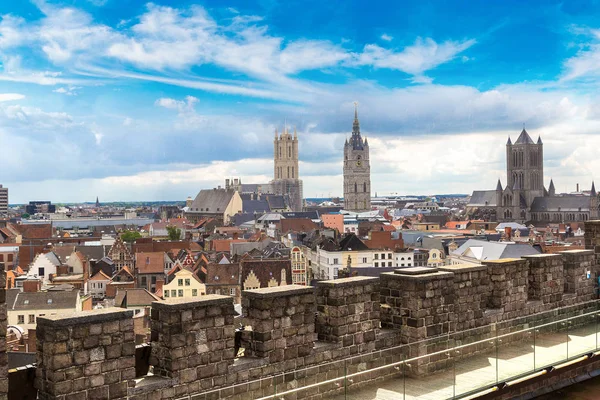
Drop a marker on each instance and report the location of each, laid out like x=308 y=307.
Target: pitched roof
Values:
x=35 y=231
x=483 y=198
x=565 y=203
x=222 y=274
x=212 y=200
x=524 y=138
x=297 y=225
x=150 y=263
x=483 y=250
x=63 y=252
x=351 y=242
x=100 y=276
x=134 y=297
x=50 y=300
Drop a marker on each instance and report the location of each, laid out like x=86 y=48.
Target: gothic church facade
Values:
x=525 y=199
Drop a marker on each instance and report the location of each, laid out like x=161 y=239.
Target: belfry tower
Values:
x=357 y=170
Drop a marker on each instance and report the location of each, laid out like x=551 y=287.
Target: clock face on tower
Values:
x=358 y=163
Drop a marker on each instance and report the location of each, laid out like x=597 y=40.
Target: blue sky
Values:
x=130 y=100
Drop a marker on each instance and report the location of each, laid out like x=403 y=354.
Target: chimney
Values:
x=31 y=338
x=159 y=285
x=577 y=188
x=226 y=183
x=62 y=270
x=31 y=286
x=508 y=232
x=235 y=235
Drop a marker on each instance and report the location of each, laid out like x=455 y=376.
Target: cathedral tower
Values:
x=525 y=166
x=285 y=173
x=357 y=170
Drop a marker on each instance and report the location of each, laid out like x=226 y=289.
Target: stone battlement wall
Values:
x=298 y=335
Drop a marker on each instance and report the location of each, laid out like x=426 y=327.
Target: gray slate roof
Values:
x=212 y=201
x=483 y=198
x=524 y=138
x=50 y=300
x=488 y=251
x=565 y=203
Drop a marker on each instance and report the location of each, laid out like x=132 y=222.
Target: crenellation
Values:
x=413 y=312
x=67 y=367
x=282 y=319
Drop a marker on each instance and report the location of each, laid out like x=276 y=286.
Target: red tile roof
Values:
x=150 y=263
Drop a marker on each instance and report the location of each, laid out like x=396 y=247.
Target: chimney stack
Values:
x=31 y=286
x=577 y=188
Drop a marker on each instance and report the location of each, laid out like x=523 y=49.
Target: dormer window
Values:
x=49 y=301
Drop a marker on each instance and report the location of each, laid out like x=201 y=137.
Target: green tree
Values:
x=25 y=216
x=130 y=236
x=173 y=232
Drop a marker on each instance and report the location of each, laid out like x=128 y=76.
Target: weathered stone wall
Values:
x=3 y=355
x=282 y=320
x=508 y=282
x=348 y=312
x=193 y=342
x=546 y=279
x=471 y=291
x=421 y=301
x=592 y=239
x=89 y=355
x=577 y=264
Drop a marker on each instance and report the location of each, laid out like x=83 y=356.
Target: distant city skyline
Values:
x=154 y=101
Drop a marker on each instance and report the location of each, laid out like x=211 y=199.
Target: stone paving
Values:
x=482 y=370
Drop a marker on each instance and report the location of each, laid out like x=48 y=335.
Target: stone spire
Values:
x=356 y=124
x=551 y=189
x=499 y=185
x=539 y=141
x=509 y=141
x=593 y=191
x=356 y=140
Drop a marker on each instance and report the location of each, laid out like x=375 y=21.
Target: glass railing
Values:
x=450 y=367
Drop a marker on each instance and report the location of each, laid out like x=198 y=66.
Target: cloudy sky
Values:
x=130 y=100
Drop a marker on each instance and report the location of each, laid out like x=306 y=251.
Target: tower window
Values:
x=365 y=187
x=293 y=172
x=355 y=188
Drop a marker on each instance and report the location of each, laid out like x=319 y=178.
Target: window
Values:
x=173 y=293
x=383 y=256
x=21 y=319
x=232 y=291
x=179 y=282
x=153 y=280
x=187 y=282
x=180 y=293
x=166 y=293
x=25 y=302
x=335 y=260
x=144 y=282
x=194 y=292
x=389 y=264
x=31 y=319
x=377 y=264
x=49 y=301
x=364 y=260
x=377 y=256
x=389 y=256
x=41 y=271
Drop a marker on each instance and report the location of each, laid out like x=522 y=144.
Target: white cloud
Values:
x=127 y=121
x=68 y=90
x=11 y=96
x=386 y=37
x=423 y=56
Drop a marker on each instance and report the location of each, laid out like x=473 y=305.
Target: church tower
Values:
x=285 y=173
x=525 y=167
x=357 y=170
